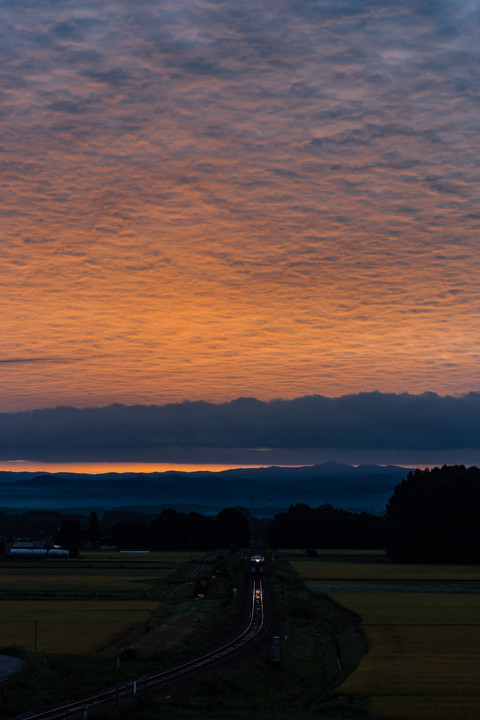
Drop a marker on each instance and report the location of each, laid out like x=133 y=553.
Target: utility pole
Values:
x=117 y=682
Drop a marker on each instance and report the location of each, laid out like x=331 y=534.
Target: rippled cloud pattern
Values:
x=202 y=199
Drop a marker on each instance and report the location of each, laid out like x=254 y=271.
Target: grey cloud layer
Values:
x=366 y=420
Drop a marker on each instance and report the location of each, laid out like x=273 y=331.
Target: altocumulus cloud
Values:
x=259 y=198
x=365 y=420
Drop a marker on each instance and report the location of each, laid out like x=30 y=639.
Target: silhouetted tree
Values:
x=3 y=532
x=94 y=529
x=131 y=535
x=167 y=532
x=70 y=535
x=233 y=529
x=34 y=524
x=172 y=530
x=325 y=527
x=432 y=516
x=201 y=532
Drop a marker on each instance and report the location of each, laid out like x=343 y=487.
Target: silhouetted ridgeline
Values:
x=432 y=516
x=264 y=491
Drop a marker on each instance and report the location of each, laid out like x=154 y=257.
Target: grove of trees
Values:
x=433 y=516
x=325 y=527
x=170 y=530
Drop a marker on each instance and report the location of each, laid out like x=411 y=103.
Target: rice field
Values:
x=169 y=557
x=412 y=609
x=426 y=663
x=69 y=626
x=45 y=584
x=383 y=571
x=424 y=647
x=82 y=606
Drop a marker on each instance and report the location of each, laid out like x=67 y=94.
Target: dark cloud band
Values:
x=366 y=420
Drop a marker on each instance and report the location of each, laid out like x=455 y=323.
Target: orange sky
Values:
x=96 y=468
x=199 y=203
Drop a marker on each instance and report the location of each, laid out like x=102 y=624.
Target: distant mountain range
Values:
x=264 y=491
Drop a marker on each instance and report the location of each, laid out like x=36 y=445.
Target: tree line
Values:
x=325 y=527
x=170 y=530
x=432 y=516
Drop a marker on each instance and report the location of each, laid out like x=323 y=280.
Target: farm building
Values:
x=37 y=548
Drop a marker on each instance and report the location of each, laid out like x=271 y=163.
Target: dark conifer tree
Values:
x=432 y=516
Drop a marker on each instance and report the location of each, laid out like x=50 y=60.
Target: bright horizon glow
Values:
x=97 y=468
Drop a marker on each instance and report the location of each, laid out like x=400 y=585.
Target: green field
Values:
x=424 y=659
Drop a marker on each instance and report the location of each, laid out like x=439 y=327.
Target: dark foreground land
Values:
x=320 y=643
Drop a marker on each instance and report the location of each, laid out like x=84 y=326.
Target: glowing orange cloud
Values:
x=197 y=207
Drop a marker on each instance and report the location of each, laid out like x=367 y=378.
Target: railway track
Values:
x=127 y=691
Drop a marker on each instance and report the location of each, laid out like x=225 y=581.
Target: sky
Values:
x=205 y=200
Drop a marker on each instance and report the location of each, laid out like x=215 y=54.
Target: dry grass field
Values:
x=424 y=659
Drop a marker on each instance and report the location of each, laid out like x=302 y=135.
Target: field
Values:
x=83 y=606
x=422 y=625
x=319 y=646
x=69 y=626
x=72 y=619
x=143 y=609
